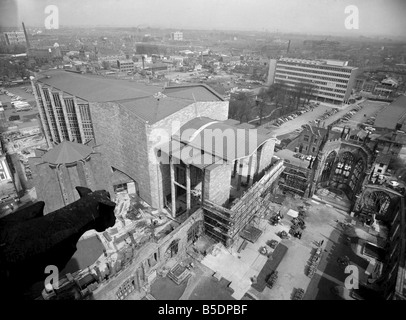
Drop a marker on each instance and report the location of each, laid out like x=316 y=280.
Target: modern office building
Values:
x=332 y=80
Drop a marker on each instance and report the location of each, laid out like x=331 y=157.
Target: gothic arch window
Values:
x=345 y=164
x=378 y=201
x=172 y=249
x=358 y=169
x=328 y=165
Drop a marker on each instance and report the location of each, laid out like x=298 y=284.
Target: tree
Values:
x=106 y=65
x=241 y=107
x=263 y=103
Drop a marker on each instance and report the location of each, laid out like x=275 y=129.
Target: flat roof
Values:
x=142 y=99
x=321 y=62
x=393 y=114
x=95 y=88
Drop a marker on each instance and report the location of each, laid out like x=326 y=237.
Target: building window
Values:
x=314 y=149
x=306 y=138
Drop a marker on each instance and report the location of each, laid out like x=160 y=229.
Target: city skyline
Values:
x=376 y=17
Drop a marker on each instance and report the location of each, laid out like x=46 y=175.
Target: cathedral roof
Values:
x=67 y=152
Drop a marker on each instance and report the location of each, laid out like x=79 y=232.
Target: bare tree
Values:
x=241 y=107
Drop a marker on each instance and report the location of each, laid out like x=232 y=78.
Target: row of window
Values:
x=311 y=66
x=311 y=76
x=313 y=72
x=57 y=114
x=320 y=90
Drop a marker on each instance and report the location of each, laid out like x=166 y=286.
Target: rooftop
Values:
x=334 y=63
x=393 y=114
x=67 y=152
x=150 y=103
x=95 y=88
x=205 y=137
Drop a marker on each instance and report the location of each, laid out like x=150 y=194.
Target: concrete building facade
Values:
x=332 y=80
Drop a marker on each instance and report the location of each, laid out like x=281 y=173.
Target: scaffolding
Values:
x=226 y=224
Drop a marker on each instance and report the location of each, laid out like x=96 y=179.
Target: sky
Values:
x=376 y=17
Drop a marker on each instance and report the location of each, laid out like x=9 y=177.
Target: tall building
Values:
x=58 y=171
x=333 y=80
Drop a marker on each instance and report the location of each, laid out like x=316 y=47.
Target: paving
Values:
x=297 y=122
x=270 y=266
x=321 y=224
x=369 y=109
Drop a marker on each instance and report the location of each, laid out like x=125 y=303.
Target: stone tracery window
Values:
x=328 y=165
x=345 y=164
x=358 y=169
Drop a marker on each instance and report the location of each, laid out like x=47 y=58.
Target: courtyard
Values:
x=228 y=273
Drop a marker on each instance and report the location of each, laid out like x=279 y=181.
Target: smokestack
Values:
x=26 y=37
x=287 y=50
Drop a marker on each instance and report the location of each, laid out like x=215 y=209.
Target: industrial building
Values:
x=332 y=80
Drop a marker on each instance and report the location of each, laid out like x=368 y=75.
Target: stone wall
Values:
x=140 y=267
x=122 y=138
x=129 y=143
x=266 y=154
x=161 y=131
x=217 y=182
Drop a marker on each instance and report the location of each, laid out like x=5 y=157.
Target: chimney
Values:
x=26 y=37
